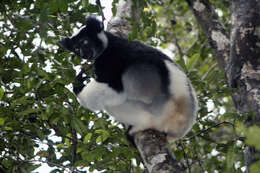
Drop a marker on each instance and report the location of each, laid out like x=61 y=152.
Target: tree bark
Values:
x=152 y=145
x=238 y=54
x=156 y=152
x=245 y=63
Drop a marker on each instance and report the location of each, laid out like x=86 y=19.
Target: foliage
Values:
x=42 y=122
x=36 y=102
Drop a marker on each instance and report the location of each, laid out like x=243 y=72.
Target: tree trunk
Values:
x=238 y=54
x=152 y=145
x=245 y=63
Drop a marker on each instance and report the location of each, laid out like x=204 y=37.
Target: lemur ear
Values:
x=93 y=24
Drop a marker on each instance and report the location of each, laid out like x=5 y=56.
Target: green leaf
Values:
x=92 y=8
x=29 y=111
x=255 y=167
x=2 y=92
x=60 y=145
x=103 y=135
x=60 y=5
x=134 y=32
x=89 y=156
x=181 y=62
x=2 y=121
x=99 y=140
x=253 y=136
x=87 y=138
x=192 y=61
x=79 y=126
x=55 y=120
x=114 y=9
x=231 y=159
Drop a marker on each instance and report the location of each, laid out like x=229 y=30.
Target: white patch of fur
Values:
x=96 y=96
x=178 y=81
x=102 y=36
x=179 y=84
x=133 y=113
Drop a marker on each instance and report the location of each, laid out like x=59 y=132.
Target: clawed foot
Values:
x=130 y=137
x=78 y=84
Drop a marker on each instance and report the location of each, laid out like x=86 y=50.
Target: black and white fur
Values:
x=136 y=84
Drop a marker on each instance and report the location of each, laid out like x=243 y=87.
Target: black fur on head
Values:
x=89 y=42
x=94 y=25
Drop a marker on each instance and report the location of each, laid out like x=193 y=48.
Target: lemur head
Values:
x=89 y=42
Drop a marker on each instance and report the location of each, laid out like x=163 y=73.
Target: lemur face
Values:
x=89 y=42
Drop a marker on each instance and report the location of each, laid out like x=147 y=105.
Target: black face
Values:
x=87 y=43
x=82 y=47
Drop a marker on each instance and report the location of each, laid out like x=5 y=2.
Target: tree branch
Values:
x=119 y=25
x=156 y=152
x=214 y=30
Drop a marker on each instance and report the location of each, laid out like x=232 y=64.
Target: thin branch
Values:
x=206 y=130
x=65 y=169
x=199 y=161
x=193 y=44
x=100 y=10
x=74 y=146
x=209 y=71
x=185 y=157
x=175 y=40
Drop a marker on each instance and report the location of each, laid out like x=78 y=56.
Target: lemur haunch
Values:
x=136 y=84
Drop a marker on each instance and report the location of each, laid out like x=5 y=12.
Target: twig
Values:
x=186 y=157
x=193 y=44
x=178 y=46
x=100 y=10
x=205 y=130
x=74 y=154
x=209 y=71
x=51 y=163
x=199 y=161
